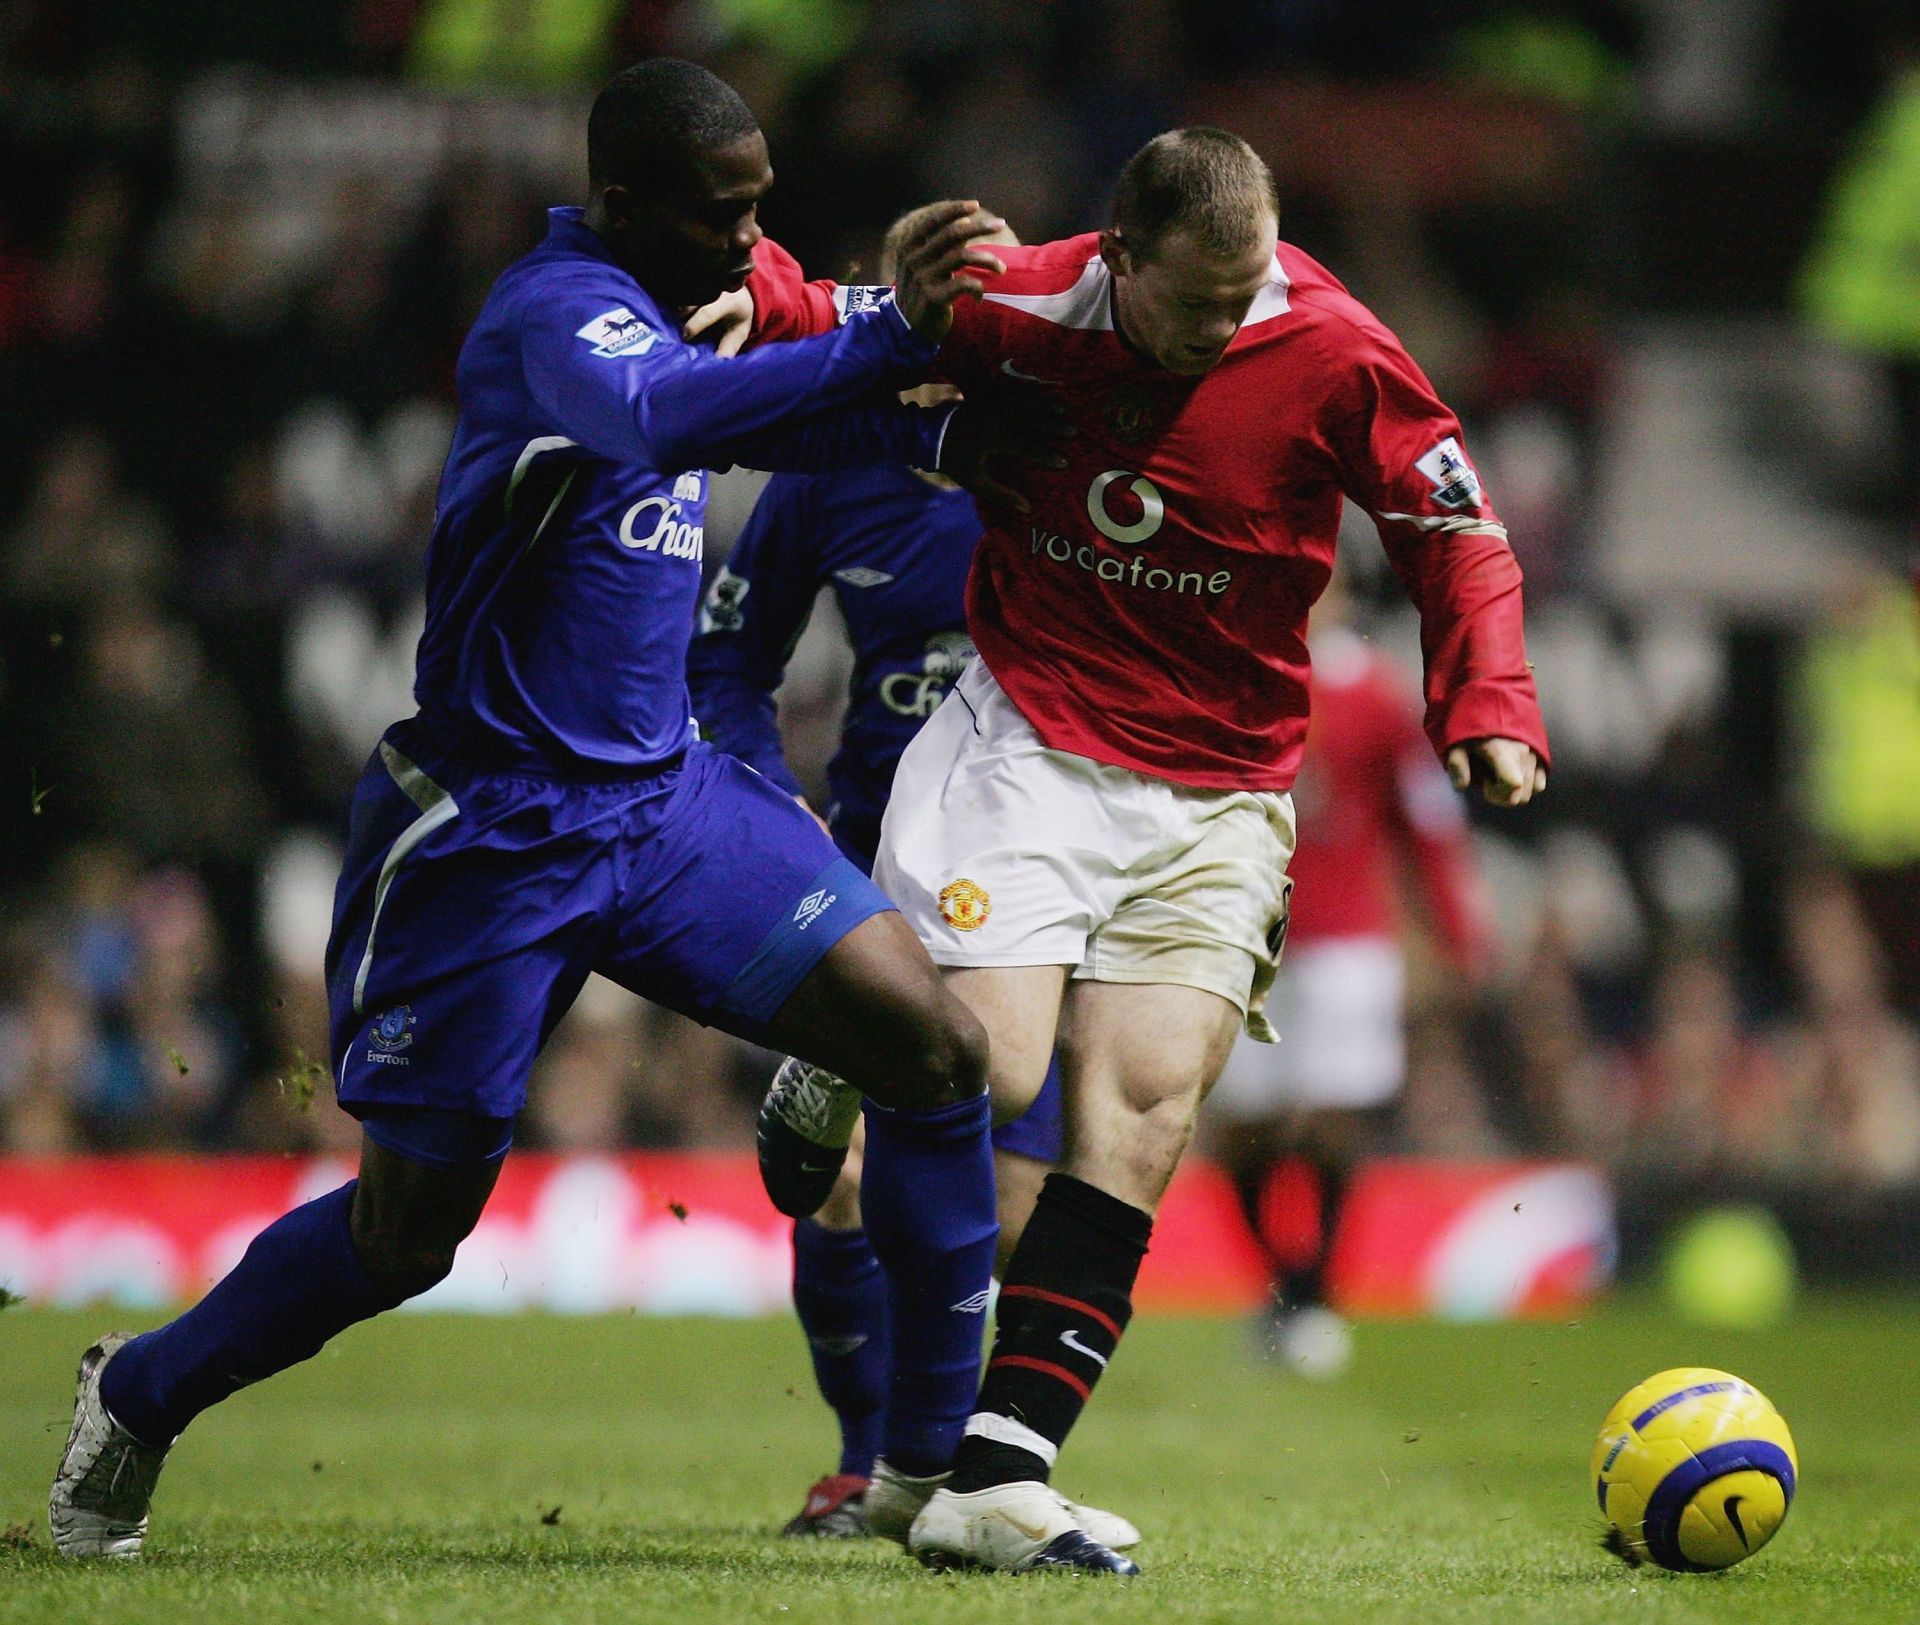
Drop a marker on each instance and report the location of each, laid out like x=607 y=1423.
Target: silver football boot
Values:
x=806 y=1124
x=98 y=1507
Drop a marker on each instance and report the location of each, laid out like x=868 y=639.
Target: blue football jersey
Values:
x=895 y=551
x=565 y=563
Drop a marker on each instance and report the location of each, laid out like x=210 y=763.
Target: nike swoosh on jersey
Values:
x=1025 y=377
x=1072 y=1339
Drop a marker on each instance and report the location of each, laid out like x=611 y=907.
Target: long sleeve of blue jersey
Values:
x=612 y=382
x=751 y=619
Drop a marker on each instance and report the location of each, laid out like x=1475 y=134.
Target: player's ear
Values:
x=1114 y=252
x=618 y=205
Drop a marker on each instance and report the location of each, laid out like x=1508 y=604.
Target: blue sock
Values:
x=298 y=1284
x=927 y=1194
x=840 y=1295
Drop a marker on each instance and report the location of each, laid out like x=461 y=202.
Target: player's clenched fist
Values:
x=936 y=245
x=991 y=436
x=1509 y=773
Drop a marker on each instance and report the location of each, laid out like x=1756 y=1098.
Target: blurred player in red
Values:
x=1377 y=818
x=1091 y=835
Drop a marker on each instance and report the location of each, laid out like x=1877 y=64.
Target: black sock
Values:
x=1067 y=1298
x=1304 y=1284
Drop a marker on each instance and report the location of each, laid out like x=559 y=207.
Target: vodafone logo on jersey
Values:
x=1131 y=572
x=653 y=525
x=1153 y=508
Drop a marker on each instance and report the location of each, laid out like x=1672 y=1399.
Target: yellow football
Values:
x=1694 y=1469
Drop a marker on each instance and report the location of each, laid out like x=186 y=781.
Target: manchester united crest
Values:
x=965 y=905
x=1133 y=414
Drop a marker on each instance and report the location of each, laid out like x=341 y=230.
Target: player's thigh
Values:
x=874 y=1011
x=1137 y=1060
x=739 y=911
x=466 y=917
x=1019 y=1005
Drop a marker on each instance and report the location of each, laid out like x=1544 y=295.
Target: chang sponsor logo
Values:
x=919 y=693
x=654 y=525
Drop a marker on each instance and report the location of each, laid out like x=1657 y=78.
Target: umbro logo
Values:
x=813 y=905
x=976 y=1305
x=861 y=575
x=841 y=1345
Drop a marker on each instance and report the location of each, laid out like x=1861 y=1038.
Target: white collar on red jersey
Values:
x=1088 y=304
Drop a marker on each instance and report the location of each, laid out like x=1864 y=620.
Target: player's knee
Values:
x=405 y=1266
x=945 y=1061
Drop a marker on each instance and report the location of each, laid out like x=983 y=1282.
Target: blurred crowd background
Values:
x=1662 y=255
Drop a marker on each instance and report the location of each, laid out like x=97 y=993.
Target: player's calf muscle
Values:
x=1131 y=1154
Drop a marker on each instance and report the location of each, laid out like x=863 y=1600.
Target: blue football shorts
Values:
x=473 y=904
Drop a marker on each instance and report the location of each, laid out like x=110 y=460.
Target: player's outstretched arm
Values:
x=940 y=261
x=605 y=380
x=1508 y=772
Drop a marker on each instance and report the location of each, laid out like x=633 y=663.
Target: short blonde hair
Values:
x=1200 y=180
x=908 y=223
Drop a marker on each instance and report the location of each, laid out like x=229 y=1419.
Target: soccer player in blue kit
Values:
x=550 y=813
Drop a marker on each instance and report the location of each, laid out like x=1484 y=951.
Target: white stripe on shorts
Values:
x=436 y=808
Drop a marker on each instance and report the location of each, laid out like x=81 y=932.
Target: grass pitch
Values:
x=544 y=1469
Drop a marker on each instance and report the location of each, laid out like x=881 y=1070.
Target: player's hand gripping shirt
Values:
x=565 y=561
x=1151 y=611
x=894 y=550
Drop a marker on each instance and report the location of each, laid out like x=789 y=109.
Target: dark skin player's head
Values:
x=676 y=167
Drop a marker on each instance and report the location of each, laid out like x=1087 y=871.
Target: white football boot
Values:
x=98 y=1507
x=1015 y=1527
x=894 y=1501
x=1315 y=1342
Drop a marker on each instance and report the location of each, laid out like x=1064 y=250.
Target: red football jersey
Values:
x=1374 y=810
x=1151 y=612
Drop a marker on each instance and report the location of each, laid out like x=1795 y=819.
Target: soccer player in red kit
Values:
x=1378 y=825
x=1091 y=835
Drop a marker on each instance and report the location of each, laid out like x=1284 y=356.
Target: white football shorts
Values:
x=1000 y=851
x=1341 y=1005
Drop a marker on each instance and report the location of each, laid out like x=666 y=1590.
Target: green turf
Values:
x=410 y=1474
